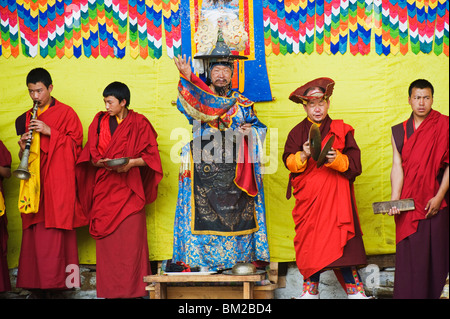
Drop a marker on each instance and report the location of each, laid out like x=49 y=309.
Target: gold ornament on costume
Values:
x=234 y=35
x=233 y=32
x=206 y=36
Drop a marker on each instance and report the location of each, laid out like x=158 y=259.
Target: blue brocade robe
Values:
x=211 y=250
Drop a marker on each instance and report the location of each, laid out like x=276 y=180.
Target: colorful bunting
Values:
x=271 y=36
x=395 y=25
x=9 y=29
x=114 y=28
x=442 y=28
x=359 y=26
x=327 y=26
x=154 y=28
x=310 y=26
x=172 y=27
x=320 y=25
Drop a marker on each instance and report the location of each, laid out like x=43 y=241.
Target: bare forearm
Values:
x=444 y=184
x=396 y=182
x=396 y=173
x=137 y=162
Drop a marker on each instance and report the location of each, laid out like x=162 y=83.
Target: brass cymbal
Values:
x=322 y=156
x=315 y=141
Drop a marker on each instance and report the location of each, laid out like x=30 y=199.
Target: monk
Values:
x=5 y=172
x=328 y=235
x=420 y=171
x=114 y=197
x=49 y=243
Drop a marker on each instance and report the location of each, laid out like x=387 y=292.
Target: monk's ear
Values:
x=123 y=103
x=50 y=88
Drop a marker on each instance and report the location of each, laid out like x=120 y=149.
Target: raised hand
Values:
x=184 y=66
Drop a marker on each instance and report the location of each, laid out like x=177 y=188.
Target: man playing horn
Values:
x=47 y=201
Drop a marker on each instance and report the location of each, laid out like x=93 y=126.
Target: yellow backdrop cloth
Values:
x=371 y=94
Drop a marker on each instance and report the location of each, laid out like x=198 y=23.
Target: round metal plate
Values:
x=324 y=152
x=315 y=141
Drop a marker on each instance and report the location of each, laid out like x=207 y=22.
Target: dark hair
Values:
x=119 y=90
x=420 y=84
x=39 y=75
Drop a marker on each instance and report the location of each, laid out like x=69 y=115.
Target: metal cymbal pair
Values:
x=315 y=145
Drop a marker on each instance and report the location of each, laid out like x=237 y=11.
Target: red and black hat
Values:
x=302 y=95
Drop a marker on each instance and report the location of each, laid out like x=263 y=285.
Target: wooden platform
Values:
x=213 y=286
x=161 y=281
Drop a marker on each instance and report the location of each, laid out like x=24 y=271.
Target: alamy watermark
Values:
x=73 y=277
x=373 y=276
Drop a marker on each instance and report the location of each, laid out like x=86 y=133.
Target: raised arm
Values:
x=184 y=66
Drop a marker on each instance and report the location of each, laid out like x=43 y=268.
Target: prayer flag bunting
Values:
x=140 y=28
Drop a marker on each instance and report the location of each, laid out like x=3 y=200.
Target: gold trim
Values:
x=213 y=232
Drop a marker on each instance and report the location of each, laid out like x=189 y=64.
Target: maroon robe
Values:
x=115 y=202
x=5 y=283
x=48 y=238
x=327 y=228
x=59 y=152
x=422 y=254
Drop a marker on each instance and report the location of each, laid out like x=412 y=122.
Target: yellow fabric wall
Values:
x=370 y=94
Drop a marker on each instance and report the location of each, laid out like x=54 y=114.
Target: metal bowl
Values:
x=117 y=161
x=243 y=269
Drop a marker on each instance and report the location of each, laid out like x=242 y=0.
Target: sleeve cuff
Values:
x=340 y=163
x=295 y=164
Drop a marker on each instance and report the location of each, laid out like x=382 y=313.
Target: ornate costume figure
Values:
x=220 y=213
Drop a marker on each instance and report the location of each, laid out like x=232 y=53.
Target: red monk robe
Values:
x=5 y=283
x=49 y=239
x=327 y=228
x=430 y=139
x=422 y=251
x=115 y=202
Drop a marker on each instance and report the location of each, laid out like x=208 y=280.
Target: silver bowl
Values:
x=117 y=161
x=243 y=269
